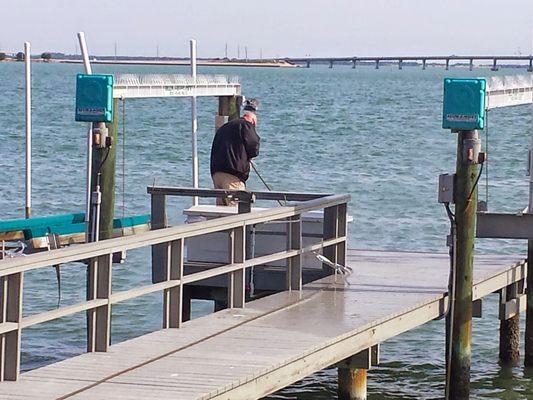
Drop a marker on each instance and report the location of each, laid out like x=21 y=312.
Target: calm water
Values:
x=373 y=134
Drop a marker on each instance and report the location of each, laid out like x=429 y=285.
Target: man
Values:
x=235 y=144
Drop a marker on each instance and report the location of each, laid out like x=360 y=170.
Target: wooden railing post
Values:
x=11 y=312
x=158 y=220
x=330 y=231
x=342 y=229
x=294 y=264
x=236 y=283
x=173 y=297
x=100 y=317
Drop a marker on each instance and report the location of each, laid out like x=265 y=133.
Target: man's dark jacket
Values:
x=235 y=143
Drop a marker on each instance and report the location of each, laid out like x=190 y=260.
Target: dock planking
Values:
x=272 y=342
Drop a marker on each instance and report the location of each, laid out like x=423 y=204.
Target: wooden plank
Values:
x=238 y=255
x=194 y=362
x=173 y=297
x=330 y=231
x=100 y=318
x=159 y=251
x=294 y=271
x=13 y=313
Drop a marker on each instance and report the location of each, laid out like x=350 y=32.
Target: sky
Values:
x=273 y=28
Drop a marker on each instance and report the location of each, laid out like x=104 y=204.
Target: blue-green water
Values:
x=373 y=134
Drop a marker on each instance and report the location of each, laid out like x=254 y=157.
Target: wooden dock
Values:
x=247 y=353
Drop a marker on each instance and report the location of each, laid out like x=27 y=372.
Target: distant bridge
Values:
x=418 y=59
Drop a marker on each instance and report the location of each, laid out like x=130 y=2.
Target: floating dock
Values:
x=247 y=353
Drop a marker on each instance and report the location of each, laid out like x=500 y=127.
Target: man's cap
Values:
x=251 y=105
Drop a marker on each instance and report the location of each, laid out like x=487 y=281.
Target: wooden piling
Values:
x=104 y=160
x=352 y=383
x=509 y=354
x=465 y=214
x=230 y=106
x=528 y=356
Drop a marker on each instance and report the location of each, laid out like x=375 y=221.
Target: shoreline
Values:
x=200 y=63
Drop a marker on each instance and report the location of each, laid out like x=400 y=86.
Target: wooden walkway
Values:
x=273 y=342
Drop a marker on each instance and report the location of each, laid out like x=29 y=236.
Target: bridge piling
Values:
x=447 y=64
x=471 y=65
x=424 y=64
x=354 y=62
x=330 y=63
x=377 y=64
x=494 y=65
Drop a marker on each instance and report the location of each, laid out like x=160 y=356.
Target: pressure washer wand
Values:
x=262 y=180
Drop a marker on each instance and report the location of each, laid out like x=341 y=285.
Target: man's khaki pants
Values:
x=222 y=180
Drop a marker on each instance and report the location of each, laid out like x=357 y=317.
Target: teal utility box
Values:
x=94 y=98
x=464 y=104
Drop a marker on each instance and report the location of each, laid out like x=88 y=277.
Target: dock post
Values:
x=447 y=64
x=330 y=63
x=172 y=298
x=509 y=354
x=330 y=231
x=352 y=383
x=104 y=162
x=377 y=64
x=230 y=106
x=424 y=61
x=471 y=65
x=468 y=145
x=528 y=356
x=352 y=374
x=294 y=264
x=354 y=62
x=530 y=68
x=494 y=65
x=400 y=63
x=11 y=311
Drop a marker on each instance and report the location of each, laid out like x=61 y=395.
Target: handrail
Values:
x=258 y=195
x=88 y=250
x=99 y=256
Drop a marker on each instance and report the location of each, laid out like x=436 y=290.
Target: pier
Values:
x=254 y=347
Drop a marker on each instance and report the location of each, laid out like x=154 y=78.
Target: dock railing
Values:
x=98 y=256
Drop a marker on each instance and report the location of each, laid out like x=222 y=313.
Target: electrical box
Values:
x=94 y=98
x=446 y=188
x=464 y=104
